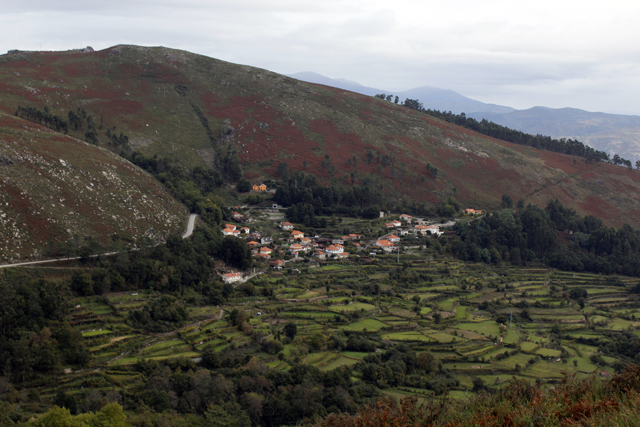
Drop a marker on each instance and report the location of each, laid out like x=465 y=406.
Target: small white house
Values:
x=231 y=277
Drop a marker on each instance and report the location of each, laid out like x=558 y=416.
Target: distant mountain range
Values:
x=612 y=133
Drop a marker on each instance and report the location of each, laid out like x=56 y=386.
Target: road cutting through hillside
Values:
x=190 y=224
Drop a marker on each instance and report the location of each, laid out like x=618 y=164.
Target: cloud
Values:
x=502 y=51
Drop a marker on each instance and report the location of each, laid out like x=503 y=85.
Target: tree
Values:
x=235 y=252
x=507 y=201
x=243 y=186
x=283 y=170
x=290 y=330
x=397 y=99
x=414 y=104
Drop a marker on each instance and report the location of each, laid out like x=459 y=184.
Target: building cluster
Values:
x=295 y=243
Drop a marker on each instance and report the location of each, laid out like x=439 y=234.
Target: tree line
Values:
x=531 y=234
x=569 y=146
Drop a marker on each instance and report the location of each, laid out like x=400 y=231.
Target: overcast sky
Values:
x=583 y=54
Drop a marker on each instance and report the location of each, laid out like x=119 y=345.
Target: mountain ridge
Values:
x=612 y=133
x=194 y=109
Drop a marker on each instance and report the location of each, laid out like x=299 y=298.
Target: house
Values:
x=277 y=264
x=381 y=214
x=343 y=255
x=428 y=229
x=295 y=234
x=405 y=218
x=231 y=226
x=266 y=251
x=473 y=211
x=355 y=236
x=305 y=241
x=358 y=246
x=320 y=255
x=393 y=238
x=286 y=226
x=260 y=187
x=262 y=255
x=334 y=249
x=296 y=248
x=266 y=240
x=230 y=231
x=231 y=277
x=237 y=216
x=338 y=241
x=385 y=245
x=244 y=230
x=253 y=243
x=393 y=224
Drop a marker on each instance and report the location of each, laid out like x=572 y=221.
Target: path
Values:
x=190 y=224
x=188 y=233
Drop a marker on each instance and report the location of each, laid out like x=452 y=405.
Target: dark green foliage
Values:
x=191 y=188
x=414 y=104
x=531 y=234
x=306 y=198
x=164 y=313
x=34 y=338
x=243 y=186
x=290 y=330
x=494 y=130
x=235 y=252
x=507 y=202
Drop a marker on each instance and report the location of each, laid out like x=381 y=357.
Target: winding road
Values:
x=188 y=233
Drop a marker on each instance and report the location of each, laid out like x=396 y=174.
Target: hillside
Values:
x=613 y=133
x=196 y=109
x=55 y=190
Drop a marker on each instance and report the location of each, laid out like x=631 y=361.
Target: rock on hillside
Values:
x=53 y=187
x=188 y=107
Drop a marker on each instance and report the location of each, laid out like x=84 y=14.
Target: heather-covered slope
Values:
x=54 y=187
x=192 y=108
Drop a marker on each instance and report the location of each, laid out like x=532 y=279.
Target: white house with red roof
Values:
x=266 y=251
x=393 y=238
x=385 y=245
x=334 y=249
x=428 y=229
x=277 y=264
x=297 y=248
x=230 y=230
x=295 y=234
x=232 y=277
x=405 y=218
x=393 y=224
x=286 y=226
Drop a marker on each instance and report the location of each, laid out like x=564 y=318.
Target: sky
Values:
x=562 y=53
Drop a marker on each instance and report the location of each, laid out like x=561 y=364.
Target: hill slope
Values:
x=56 y=189
x=613 y=133
x=194 y=109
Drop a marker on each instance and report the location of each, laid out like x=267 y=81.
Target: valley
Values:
x=235 y=247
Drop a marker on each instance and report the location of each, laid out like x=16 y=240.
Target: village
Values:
x=287 y=244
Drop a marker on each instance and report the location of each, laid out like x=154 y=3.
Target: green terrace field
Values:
x=479 y=321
